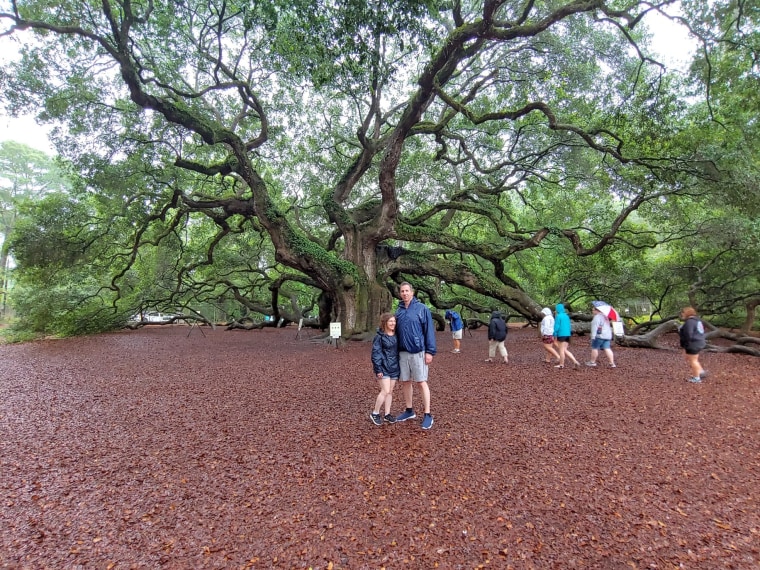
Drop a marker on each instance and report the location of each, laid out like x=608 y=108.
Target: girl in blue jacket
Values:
x=385 y=366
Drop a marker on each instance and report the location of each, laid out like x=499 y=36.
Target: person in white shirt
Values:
x=547 y=335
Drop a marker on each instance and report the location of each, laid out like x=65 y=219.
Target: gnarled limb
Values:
x=740 y=345
x=736 y=348
x=648 y=340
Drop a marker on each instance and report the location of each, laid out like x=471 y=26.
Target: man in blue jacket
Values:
x=416 y=343
x=457 y=326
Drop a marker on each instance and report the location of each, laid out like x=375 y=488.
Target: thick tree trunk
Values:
x=750 y=320
x=359 y=306
x=359 y=300
x=4 y=284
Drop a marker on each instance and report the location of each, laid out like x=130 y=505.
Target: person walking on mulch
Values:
x=457 y=328
x=562 y=333
x=497 y=334
x=692 y=337
x=386 y=367
x=547 y=335
x=601 y=338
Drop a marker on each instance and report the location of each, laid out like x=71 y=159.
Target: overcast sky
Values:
x=25 y=130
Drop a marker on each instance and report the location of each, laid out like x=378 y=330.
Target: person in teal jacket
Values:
x=562 y=333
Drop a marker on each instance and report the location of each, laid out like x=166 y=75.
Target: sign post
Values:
x=335 y=332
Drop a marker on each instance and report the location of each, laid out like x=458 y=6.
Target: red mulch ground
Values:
x=251 y=449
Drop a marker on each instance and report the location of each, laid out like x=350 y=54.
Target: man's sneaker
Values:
x=407 y=414
x=377 y=419
x=695 y=380
x=390 y=419
x=456 y=351
x=427 y=421
x=589 y=363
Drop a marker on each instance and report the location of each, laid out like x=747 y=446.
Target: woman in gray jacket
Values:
x=601 y=338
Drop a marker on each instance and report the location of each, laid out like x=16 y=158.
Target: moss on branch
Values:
x=317 y=255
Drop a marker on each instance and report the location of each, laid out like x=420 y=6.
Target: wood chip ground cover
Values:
x=253 y=449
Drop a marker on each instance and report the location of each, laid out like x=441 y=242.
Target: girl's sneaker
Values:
x=695 y=380
x=377 y=419
x=390 y=419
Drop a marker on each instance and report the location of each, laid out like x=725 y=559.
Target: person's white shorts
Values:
x=413 y=366
x=457 y=335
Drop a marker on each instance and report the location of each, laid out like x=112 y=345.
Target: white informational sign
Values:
x=617 y=328
x=300 y=324
x=334 y=330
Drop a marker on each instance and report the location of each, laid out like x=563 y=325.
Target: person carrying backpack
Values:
x=692 y=338
x=497 y=334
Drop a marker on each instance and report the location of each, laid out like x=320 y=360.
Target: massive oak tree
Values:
x=370 y=142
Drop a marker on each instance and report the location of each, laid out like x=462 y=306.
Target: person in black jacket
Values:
x=497 y=334
x=386 y=367
x=692 y=337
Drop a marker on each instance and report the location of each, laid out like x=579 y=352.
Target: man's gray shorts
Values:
x=413 y=366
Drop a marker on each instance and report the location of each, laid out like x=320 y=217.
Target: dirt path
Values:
x=147 y=449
